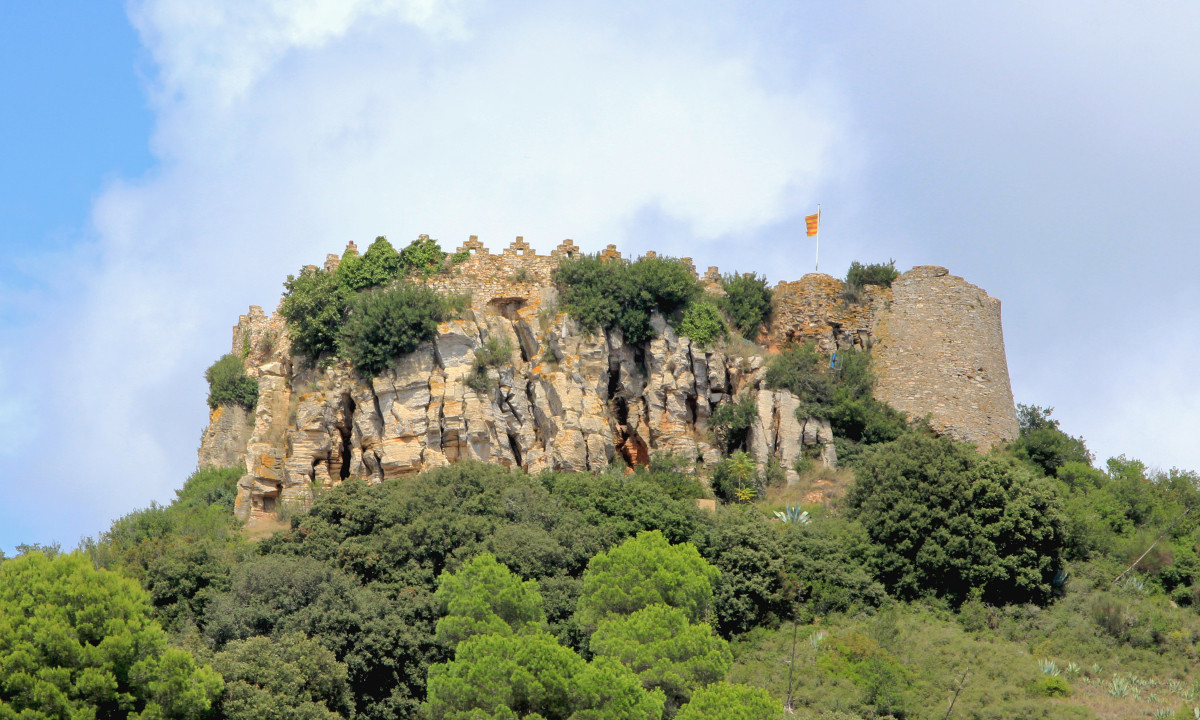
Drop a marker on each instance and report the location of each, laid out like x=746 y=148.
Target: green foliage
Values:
x=855 y=414
x=644 y=571
x=178 y=552
x=830 y=560
x=314 y=306
x=485 y=598
x=379 y=265
x=754 y=588
x=495 y=676
x=948 y=521
x=605 y=294
x=729 y=701
x=495 y=353
x=673 y=474
x=731 y=422
x=872 y=274
x=1050 y=686
x=703 y=323
x=799 y=370
x=79 y=642
x=422 y=256
x=1043 y=444
x=289 y=677
x=385 y=324
x=228 y=384
x=664 y=649
x=736 y=478
x=747 y=302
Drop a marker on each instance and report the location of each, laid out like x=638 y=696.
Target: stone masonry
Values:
x=572 y=401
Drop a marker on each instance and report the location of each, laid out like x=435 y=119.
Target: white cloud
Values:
x=287 y=129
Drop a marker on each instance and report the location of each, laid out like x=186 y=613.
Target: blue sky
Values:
x=166 y=164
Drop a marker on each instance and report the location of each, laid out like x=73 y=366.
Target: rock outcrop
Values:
x=564 y=400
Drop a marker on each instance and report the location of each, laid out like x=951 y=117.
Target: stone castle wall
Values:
x=939 y=352
x=574 y=402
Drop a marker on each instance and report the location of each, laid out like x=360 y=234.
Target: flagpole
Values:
x=818 y=237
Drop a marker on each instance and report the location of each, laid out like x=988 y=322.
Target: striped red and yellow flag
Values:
x=811 y=222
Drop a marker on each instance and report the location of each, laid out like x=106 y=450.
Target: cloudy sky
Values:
x=166 y=164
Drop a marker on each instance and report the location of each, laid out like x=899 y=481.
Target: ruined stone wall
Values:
x=939 y=351
x=571 y=401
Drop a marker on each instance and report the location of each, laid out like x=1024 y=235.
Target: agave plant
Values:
x=1073 y=668
x=793 y=514
x=1049 y=667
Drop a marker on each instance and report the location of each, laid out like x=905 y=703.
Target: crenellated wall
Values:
x=572 y=401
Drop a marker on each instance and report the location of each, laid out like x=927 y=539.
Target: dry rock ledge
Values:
x=570 y=400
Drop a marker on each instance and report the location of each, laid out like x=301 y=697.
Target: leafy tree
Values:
x=731 y=422
x=179 y=552
x=385 y=324
x=747 y=301
x=79 y=642
x=289 y=677
x=736 y=479
x=872 y=274
x=485 y=598
x=643 y=571
x=494 y=676
x=314 y=306
x=422 y=256
x=728 y=701
x=754 y=589
x=855 y=413
x=664 y=649
x=1043 y=444
x=947 y=521
x=831 y=561
x=229 y=385
x=379 y=265
x=603 y=294
x=385 y=642
x=703 y=323
x=799 y=370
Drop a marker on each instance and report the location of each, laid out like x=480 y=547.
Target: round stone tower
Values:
x=939 y=353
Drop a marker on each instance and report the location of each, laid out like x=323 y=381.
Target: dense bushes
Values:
x=747 y=302
x=229 y=385
x=1041 y=442
x=360 y=311
x=606 y=294
x=948 y=521
x=384 y=324
x=872 y=274
x=731 y=422
x=80 y=642
x=842 y=394
x=703 y=323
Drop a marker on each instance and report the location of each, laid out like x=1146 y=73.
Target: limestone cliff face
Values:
x=565 y=400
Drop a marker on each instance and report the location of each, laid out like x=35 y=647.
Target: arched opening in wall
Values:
x=507 y=307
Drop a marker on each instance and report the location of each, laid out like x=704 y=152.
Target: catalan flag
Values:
x=811 y=221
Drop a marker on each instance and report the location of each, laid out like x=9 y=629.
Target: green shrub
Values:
x=423 y=256
x=736 y=479
x=379 y=265
x=385 y=324
x=494 y=354
x=947 y=521
x=703 y=323
x=602 y=294
x=801 y=371
x=1043 y=444
x=747 y=301
x=872 y=274
x=229 y=385
x=1050 y=686
x=731 y=422
x=314 y=306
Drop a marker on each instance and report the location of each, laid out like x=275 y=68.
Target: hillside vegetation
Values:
x=937 y=583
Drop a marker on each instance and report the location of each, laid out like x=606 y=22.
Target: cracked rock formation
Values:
x=565 y=399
